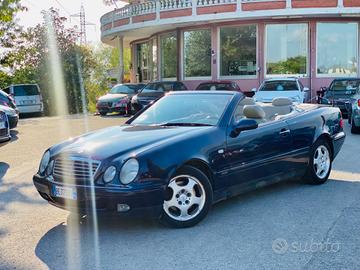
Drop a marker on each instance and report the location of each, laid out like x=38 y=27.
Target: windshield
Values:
x=215 y=86
x=125 y=89
x=345 y=85
x=279 y=86
x=203 y=109
x=158 y=87
x=26 y=90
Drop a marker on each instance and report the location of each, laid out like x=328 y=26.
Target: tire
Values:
x=103 y=113
x=188 y=198
x=315 y=174
x=354 y=128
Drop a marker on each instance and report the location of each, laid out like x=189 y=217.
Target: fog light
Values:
x=121 y=207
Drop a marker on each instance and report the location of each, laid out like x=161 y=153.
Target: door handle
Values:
x=284 y=131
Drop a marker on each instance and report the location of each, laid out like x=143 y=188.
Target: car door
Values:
x=259 y=156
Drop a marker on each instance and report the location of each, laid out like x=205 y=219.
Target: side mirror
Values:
x=306 y=89
x=242 y=125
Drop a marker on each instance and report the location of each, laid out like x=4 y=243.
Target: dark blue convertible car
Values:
x=188 y=151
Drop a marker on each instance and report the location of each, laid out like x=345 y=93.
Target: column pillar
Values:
x=121 y=58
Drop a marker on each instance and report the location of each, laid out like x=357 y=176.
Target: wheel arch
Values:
x=328 y=139
x=201 y=165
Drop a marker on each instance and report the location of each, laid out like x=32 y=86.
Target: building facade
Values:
x=241 y=40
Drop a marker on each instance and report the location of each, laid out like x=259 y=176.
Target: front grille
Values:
x=3 y=132
x=77 y=170
x=105 y=104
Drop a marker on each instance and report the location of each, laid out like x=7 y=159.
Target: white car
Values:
x=4 y=127
x=12 y=116
x=27 y=97
x=282 y=87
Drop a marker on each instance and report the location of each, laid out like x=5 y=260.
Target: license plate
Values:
x=64 y=192
x=27 y=102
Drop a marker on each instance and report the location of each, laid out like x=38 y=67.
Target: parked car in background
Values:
x=118 y=99
x=153 y=91
x=187 y=151
x=11 y=114
x=4 y=127
x=282 y=87
x=27 y=97
x=219 y=85
x=222 y=86
x=7 y=100
x=353 y=108
x=340 y=93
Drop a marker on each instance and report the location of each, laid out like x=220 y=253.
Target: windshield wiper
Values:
x=184 y=124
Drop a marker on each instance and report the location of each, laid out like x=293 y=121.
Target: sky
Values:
x=94 y=9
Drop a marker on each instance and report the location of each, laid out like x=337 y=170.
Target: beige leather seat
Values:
x=239 y=110
x=279 y=106
x=254 y=112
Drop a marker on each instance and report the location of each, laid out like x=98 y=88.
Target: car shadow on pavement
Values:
x=3 y=169
x=12 y=192
x=239 y=231
x=14 y=135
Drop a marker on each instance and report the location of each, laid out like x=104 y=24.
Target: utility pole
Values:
x=83 y=24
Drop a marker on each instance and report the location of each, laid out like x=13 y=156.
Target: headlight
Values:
x=44 y=162
x=109 y=174
x=129 y=171
x=50 y=168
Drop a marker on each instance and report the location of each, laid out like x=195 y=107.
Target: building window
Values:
x=143 y=55
x=168 y=48
x=238 y=51
x=197 y=53
x=154 y=73
x=337 y=49
x=286 y=49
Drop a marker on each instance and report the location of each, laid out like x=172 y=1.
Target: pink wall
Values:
x=312 y=81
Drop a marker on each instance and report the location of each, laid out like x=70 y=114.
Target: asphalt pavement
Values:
x=285 y=226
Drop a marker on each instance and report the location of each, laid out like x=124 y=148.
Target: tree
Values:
x=8 y=26
x=29 y=61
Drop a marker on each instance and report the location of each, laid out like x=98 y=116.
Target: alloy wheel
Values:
x=186 y=198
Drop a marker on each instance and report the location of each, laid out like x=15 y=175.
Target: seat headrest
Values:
x=281 y=101
x=253 y=111
x=247 y=101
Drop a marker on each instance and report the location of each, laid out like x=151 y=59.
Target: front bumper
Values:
x=13 y=121
x=4 y=135
x=39 y=108
x=123 y=109
x=145 y=201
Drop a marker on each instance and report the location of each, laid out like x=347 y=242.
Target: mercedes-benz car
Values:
x=340 y=93
x=153 y=91
x=282 y=87
x=187 y=151
x=118 y=99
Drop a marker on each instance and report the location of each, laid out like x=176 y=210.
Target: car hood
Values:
x=150 y=95
x=112 y=97
x=268 y=96
x=119 y=140
x=9 y=111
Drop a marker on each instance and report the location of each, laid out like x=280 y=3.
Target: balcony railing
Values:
x=155 y=8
